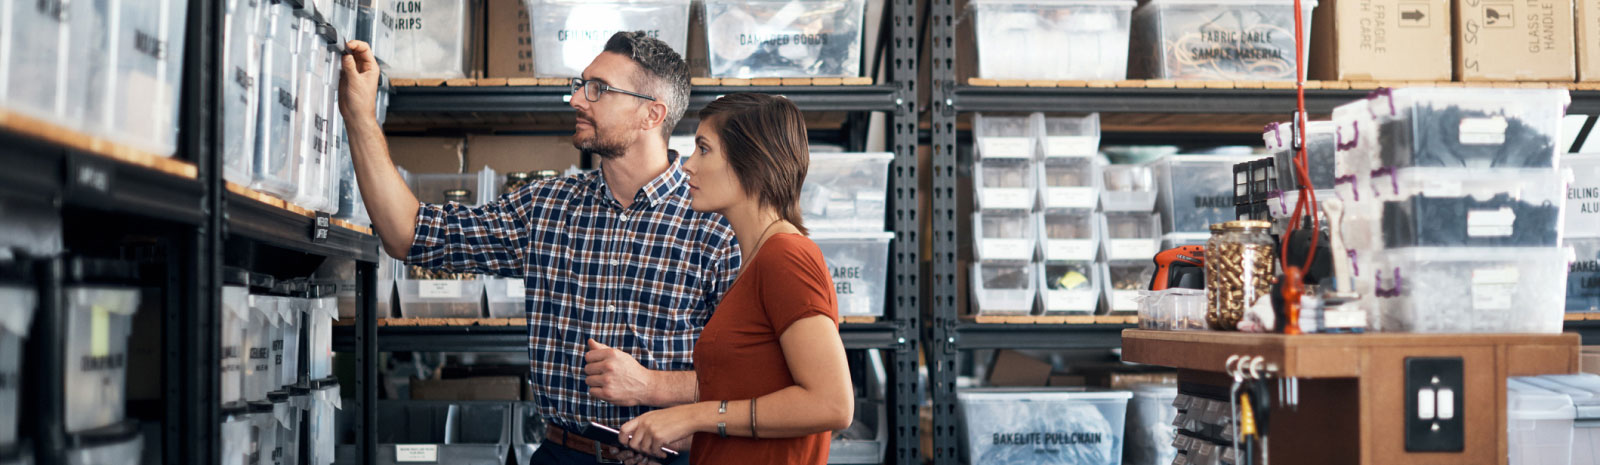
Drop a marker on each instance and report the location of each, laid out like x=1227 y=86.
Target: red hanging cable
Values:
x=1306 y=202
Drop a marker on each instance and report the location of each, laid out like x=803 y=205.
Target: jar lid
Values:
x=1217 y=227
x=546 y=174
x=457 y=195
x=1247 y=224
x=518 y=176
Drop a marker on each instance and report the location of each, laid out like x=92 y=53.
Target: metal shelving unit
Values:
x=896 y=336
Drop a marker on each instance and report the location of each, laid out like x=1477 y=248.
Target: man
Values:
x=610 y=258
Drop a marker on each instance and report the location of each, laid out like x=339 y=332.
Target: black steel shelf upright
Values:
x=897 y=336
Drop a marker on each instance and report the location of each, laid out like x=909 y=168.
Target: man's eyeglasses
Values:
x=593 y=90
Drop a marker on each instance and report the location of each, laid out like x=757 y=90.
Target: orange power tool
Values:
x=1181 y=267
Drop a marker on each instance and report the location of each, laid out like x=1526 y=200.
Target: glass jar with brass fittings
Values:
x=545 y=174
x=515 y=180
x=458 y=196
x=1240 y=261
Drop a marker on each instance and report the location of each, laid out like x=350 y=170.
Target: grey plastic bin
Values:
x=463 y=433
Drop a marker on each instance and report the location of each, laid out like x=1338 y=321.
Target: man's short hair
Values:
x=661 y=69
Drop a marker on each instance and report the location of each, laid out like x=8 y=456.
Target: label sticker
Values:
x=1069 y=249
x=1070 y=197
x=1483 y=131
x=515 y=288
x=1490 y=223
x=1436 y=187
x=416 y=453
x=1006 y=147
x=99 y=331
x=1493 y=288
x=439 y=289
x=1008 y=198
x=1069 y=300
x=1123 y=301
x=1071 y=146
x=1132 y=249
x=1006 y=249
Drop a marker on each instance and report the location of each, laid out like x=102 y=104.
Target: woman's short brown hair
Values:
x=764 y=139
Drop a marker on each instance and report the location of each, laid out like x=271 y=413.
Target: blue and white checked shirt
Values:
x=642 y=280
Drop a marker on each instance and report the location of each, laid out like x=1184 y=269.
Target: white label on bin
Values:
x=1006 y=147
x=515 y=288
x=99 y=331
x=1434 y=187
x=1344 y=318
x=1069 y=301
x=1071 y=146
x=439 y=289
x=857 y=305
x=1132 y=249
x=1483 y=131
x=1070 y=197
x=416 y=453
x=1492 y=288
x=1006 y=249
x=1124 y=301
x=1069 y=249
x=1490 y=223
x=1008 y=198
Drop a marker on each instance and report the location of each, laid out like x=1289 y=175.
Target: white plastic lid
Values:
x=1009 y=394
x=1525 y=401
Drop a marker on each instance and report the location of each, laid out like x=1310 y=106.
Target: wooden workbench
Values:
x=1352 y=400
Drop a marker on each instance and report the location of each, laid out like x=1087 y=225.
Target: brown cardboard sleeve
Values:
x=521 y=153
x=1379 y=40
x=1588 y=33
x=510 y=44
x=1529 y=40
x=1011 y=368
x=474 y=388
x=428 y=154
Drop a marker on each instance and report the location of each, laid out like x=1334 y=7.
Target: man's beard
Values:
x=599 y=145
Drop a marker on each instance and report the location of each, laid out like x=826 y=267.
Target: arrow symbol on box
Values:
x=1413 y=15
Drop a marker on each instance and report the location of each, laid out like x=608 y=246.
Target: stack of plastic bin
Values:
x=843 y=203
x=568 y=34
x=1320 y=141
x=1069 y=230
x=431 y=39
x=458 y=295
x=1131 y=243
x=784 y=38
x=1052 y=39
x=19 y=297
x=1188 y=40
x=1457 y=218
x=1005 y=232
x=1582 y=232
x=100 y=304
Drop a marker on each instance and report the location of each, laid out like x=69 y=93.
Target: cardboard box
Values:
x=1529 y=40
x=1375 y=40
x=1589 y=360
x=474 y=388
x=1067 y=380
x=521 y=153
x=510 y=43
x=1588 y=32
x=1011 y=368
x=428 y=154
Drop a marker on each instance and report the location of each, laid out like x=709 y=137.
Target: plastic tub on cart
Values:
x=99 y=320
x=1085 y=427
x=149 y=74
x=1470 y=290
x=784 y=38
x=432 y=39
x=1004 y=288
x=1217 y=40
x=19 y=297
x=846 y=192
x=1539 y=424
x=568 y=34
x=859 y=263
x=1052 y=39
x=1149 y=430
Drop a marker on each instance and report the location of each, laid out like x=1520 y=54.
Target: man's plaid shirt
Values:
x=642 y=280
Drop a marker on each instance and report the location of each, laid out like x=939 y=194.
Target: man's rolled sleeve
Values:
x=487 y=240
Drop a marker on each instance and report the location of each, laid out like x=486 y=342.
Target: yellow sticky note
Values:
x=99 y=332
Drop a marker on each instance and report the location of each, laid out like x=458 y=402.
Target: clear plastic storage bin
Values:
x=1195 y=191
x=508 y=297
x=260 y=374
x=236 y=439
x=376 y=27
x=431 y=39
x=784 y=38
x=859 y=263
x=99 y=321
x=1052 y=39
x=1004 y=235
x=1173 y=309
x=1070 y=287
x=461 y=432
x=36 y=38
x=287 y=410
x=440 y=298
x=1539 y=424
x=1470 y=290
x=1004 y=288
x=276 y=163
x=241 y=73
x=1005 y=135
x=1127 y=188
x=1124 y=281
x=345 y=18
x=1069 y=183
x=846 y=192
x=1465 y=207
x=1150 y=432
x=314 y=124
x=1320 y=140
x=1583 y=195
x=286 y=346
x=87 y=79
x=1005 y=184
x=1131 y=235
x=1470 y=128
x=1583 y=275
x=1070 y=136
x=1069 y=235
x=568 y=34
x=321 y=413
x=321 y=312
x=19 y=302
x=1584 y=391
x=1217 y=40
x=235 y=316
x=149 y=61
x=1003 y=425
x=864 y=441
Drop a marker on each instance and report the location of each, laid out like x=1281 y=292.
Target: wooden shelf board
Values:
x=82 y=142
x=1329 y=355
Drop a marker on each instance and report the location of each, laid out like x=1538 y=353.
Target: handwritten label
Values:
x=1493 y=288
x=1124 y=301
x=1008 y=198
x=1069 y=249
x=1490 y=223
x=1071 y=197
x=1006 y=147
x=439 y=289
x=1006 y=249
x=1069 y=301
x=1131 y=249
x=416 y=453
x=1483 y=131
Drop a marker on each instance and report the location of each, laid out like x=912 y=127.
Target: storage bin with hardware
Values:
x=859 y=263
x=1052 y=39
x=784 y=38
x=1130 y=235
x=1069 y=235
x=1006 y=184
x=100 y=305
x=1004 y=235
x=1217 y=40
x=1069 y=182
x=1070 y=287
x=1004 y=288
x=277 y=163
x=1124 y=280
x=846 y=192
x=1005 y=135
x=1195 y=191
x=1470 y=289
x=456 y=432
x=428 y=293
x=1128 y=188
x=1043 y=425
x=568 y=34
x=148 y=47
x=432 y=39
x=241 y=73
x=1467 y=207
x=1469 y=128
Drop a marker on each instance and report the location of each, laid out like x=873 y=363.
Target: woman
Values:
x=773 y=377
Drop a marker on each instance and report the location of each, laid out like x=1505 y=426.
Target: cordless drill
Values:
x=1180 y=267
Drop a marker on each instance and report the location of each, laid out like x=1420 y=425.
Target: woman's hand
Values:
x=628 y=457
x=659 y=428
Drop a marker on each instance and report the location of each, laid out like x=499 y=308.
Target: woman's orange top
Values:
x=739 y=356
